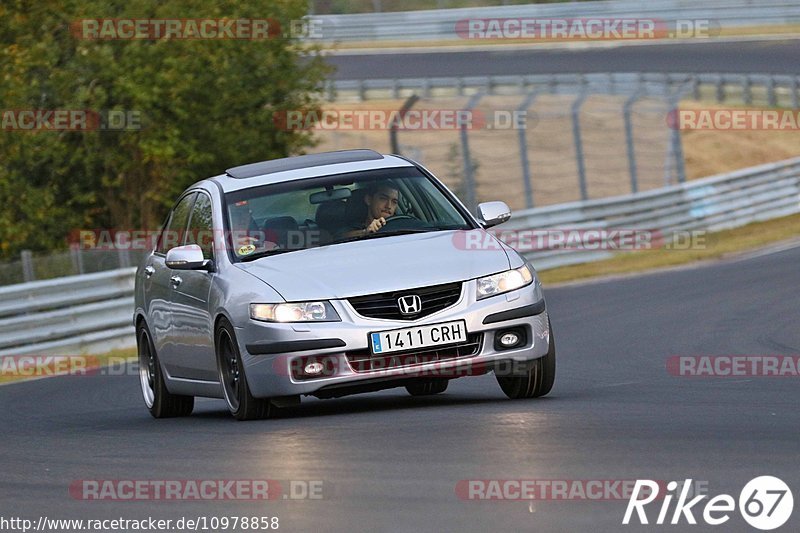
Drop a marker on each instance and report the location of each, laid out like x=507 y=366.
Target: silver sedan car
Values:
x=332 y=274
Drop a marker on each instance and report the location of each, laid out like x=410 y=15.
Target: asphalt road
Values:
x=768 y=57
x=391 y=463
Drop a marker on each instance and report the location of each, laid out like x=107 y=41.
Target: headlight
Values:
x=294 y=312
x=503 y=282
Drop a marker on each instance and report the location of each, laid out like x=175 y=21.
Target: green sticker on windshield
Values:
x=247 y=249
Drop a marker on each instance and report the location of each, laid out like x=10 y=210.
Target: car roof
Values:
x=306 y=166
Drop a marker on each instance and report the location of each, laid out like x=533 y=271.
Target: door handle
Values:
x=175 y=280
x=149 y=271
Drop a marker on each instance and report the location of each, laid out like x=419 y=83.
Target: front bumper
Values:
x=270 y=351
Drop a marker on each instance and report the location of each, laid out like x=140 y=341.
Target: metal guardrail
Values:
x=71 y=315
x=715 y=203
x=91 y=313
x=440 y=25
x=771 y=89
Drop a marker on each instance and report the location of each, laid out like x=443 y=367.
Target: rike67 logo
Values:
x=765 y=503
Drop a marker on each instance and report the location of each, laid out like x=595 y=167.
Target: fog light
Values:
x=312 y=369
x=508 y=339
x=314 y=366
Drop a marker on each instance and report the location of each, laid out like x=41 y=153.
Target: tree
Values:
x=203 y=105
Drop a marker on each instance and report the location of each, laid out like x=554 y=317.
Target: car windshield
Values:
x=301 y=214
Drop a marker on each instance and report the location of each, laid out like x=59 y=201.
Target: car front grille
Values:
x=364 y=361
x=384 y=305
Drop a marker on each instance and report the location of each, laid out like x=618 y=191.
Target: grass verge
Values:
x=23 y=368
x=717 y=245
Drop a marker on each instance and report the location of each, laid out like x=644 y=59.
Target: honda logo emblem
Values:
x=409 y=305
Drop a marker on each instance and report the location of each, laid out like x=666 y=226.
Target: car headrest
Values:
x=330 y=215
x=277 y=229
x=355 y=210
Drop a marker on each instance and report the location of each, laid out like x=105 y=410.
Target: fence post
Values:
x=469 y=176
x=410 y=101
x=771 y=97
x=720 y=89
x=795 y=103
x=331 y=91
x=695 y=87
x=27 y=265
x=576 y=134
x=124 y=257
x=747 y=92
x=523 y=148
x=629 y=140
x=675 y=144
x=77 y=258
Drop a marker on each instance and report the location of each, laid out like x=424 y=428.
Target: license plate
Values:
x=400 y=340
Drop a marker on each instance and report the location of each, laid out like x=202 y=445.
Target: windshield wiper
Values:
x=451 y=227
x=406 y=231
x=379 y=234
x=266 y=253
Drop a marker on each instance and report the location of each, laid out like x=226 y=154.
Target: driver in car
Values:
x=381 y=199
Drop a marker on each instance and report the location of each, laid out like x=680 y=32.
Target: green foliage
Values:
x=204 y=105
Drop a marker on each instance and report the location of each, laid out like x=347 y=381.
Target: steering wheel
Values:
x=401 y=222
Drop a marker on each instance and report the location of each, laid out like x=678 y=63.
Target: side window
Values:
x=173 y=234
x=200 y=226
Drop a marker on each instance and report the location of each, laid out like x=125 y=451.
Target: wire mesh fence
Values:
x=38 y=266
x=534 y=140
x=555 y=147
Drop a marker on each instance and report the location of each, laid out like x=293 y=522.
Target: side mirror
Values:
x=189 y=257
x=493 y=213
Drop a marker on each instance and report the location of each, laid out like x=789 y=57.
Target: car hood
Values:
x=379 y=265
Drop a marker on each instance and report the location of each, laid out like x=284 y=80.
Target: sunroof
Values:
x=302 y=161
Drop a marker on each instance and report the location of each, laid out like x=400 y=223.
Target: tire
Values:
x=428 y=388
x=158 y=400
x=537 y=381
x=241 y=403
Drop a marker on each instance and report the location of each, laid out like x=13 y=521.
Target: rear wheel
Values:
x=535 y=382
x=428 y=388
x=241 y=403
x=157 y=398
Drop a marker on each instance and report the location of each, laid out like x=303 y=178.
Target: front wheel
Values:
x=159 y=401
x=242 y=404
x=535 y=382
